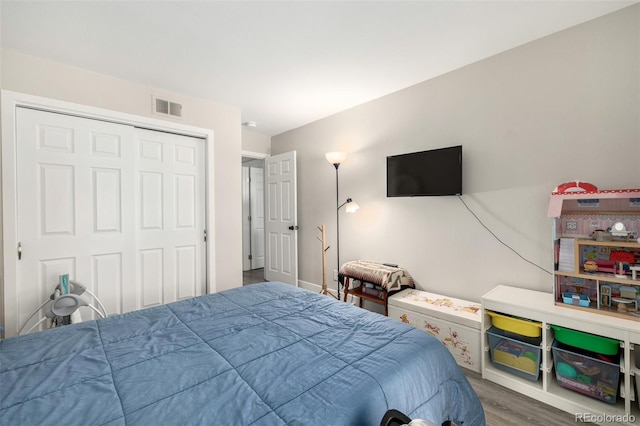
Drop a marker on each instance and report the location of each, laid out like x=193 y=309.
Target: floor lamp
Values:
x=336 y=158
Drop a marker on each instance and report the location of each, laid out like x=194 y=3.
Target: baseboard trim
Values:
x=354 y=300
x=315 y=287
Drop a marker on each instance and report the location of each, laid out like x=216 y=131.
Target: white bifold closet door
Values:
x=119 y=209
x=170 y=217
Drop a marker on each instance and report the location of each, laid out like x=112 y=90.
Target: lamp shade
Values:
x=336 y=157
x=351 y=207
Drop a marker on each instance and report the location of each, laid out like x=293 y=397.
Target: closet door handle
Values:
x=19 y=250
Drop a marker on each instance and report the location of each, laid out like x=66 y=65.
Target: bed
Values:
x=265 y=354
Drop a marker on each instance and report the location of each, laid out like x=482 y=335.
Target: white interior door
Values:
x=246 y=220
x=170 y=217
x=281 y=256
x=119 y=209
x=257 y=217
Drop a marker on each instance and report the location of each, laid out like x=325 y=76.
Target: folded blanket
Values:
x=388 y=277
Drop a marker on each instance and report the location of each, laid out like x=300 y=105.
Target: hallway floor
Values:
x=253 y=276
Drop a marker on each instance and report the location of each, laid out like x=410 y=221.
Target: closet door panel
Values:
x=108 y=280
x=74 y=193
x=119 y=209
x=107 y=199
x=170 y=213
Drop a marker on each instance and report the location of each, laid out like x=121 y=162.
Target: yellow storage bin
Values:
x=516 y=325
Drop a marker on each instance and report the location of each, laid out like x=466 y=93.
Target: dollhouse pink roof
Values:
x=557 y=198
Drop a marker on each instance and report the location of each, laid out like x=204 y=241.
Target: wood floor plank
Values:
x=504 y=407
x=253 y=276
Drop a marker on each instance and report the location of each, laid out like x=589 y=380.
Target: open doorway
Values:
x=253 y=248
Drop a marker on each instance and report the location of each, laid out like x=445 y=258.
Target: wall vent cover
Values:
x=175 y=109
x=162 y=106
x=167 y=108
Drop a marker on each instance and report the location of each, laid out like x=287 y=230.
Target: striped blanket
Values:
x=389 y=278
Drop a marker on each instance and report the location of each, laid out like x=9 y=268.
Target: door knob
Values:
x=294 y=227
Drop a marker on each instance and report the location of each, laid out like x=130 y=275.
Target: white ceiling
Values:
x=283 y=63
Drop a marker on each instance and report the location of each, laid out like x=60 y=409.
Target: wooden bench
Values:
x=388 y=278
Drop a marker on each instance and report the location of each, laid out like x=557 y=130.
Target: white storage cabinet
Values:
x=540 y=306
x=455 y=322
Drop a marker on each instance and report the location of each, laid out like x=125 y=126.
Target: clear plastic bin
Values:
x=515 y=355
x=586 y=372
x=638 y=388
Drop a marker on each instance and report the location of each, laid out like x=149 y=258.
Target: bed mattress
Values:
x=265 y=354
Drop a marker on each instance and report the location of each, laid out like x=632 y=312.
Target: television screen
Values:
x=433 y=172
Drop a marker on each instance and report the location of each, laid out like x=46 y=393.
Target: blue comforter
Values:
x=266 y=354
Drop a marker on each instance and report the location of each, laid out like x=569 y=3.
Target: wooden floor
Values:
x=502 y=406
x=253 y=276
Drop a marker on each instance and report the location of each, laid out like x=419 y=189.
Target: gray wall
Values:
x=561 y=108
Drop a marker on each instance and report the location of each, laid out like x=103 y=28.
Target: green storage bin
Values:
x=589 y=342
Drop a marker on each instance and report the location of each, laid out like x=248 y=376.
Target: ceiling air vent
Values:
x=167 y=108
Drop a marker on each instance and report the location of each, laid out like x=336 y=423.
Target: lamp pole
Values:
x=336 y=158
x=336 y=165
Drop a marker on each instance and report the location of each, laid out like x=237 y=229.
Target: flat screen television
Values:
x=425 y=173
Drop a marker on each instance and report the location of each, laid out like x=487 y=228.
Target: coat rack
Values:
x=322 y=240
